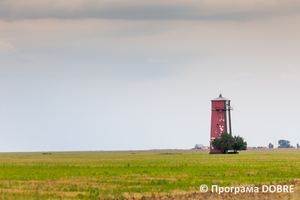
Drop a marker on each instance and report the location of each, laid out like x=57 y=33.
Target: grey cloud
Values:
x=152 y=10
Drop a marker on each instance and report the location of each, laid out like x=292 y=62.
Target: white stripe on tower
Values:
x=227 y=118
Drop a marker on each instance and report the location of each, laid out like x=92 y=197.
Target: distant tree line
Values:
x=283 y=144
x=259 y=147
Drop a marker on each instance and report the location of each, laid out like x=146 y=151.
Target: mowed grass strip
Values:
x=85 y=175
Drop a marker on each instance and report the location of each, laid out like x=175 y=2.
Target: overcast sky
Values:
x=127 y=75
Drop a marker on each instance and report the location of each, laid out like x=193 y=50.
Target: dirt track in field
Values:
x=223 y=196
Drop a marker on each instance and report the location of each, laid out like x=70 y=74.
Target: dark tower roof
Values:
x=220 y=98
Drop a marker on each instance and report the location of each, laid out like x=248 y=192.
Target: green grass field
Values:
x=104 y=175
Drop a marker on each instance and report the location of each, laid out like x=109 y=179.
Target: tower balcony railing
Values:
x=227 y=108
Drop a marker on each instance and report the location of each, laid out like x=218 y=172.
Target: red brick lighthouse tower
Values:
x=220 y=119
